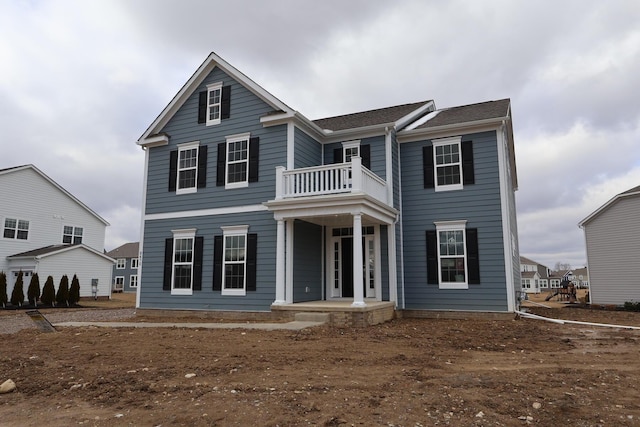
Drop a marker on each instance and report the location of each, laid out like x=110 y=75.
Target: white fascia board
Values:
x=602 y=208
x=154 y=141
x=189 y=87
x=426 y=108
x=74 y=247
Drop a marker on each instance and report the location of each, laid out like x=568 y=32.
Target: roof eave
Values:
x=437 y=131
x=604 y=207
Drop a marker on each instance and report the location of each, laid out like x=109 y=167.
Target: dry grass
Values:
x=118 y=300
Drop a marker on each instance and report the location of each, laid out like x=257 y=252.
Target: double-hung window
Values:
x=134 y=263
x=182 y=270
x=452 y=255
x=16 y=229
x=187 y=174
x=214 y=101
x=447 y=155
x=133 y=281
x=72 y=235
x=234 y=260
x=237 y=166
x=121 y=263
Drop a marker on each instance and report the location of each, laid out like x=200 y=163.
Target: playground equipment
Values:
x=566 y=292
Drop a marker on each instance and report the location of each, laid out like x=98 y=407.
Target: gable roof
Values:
x=528 y=274
x=54 y=250
x=635 y=191
x=527 y=261
x=128 y=250
x=55 y=184
x=212 y=61
x=369 y=118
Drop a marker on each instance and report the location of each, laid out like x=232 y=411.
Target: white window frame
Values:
x=232 y=139
x=195 y=145
x=133 y=281
x=234 y=231
x=210 y=106
x=115 y=283
x=189 y=233
x=134 y=263
x=17 y=228
x=121 y=263
x=348 y=148
x=73 y=234
x=443 y=226
x=455 y=140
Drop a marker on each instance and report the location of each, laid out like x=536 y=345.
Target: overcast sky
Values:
x=80 y=81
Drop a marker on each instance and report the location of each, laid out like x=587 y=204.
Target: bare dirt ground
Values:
x=408 y=372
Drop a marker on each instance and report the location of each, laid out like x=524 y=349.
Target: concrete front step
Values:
x=313 y=317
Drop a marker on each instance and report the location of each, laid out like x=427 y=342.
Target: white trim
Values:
x=291 y=150
x=185 y=233
x=143 y=207
x=289 y=261
x=206 y=212
x=124 y=263
x=448 y=130
x=507 y=241
x=211 y=87
x=454 y=140
x=194 y=145
x=230 y=140
x=130 y=280
x=424 y=119
x=460 y=225
x=234 y=231
x=611 y=201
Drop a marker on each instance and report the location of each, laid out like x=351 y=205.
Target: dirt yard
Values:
x=409 y=372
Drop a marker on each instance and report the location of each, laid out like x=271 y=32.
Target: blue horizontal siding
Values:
x=307 y=261
x=155 y=233
x=308 y=151
x=246 y=110
x=479 y=204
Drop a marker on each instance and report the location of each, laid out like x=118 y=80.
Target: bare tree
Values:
x=562 y=266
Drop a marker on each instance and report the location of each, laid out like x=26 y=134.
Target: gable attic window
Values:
x=448 y=164
x=214 y=104
x=72 y=235
x=16 y=229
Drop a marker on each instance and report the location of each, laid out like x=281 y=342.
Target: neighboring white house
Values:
x=612 y=235
x=46 y=230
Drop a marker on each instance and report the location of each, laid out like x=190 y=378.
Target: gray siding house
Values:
x=612 y=235
x=125 y=270
x=250 y=206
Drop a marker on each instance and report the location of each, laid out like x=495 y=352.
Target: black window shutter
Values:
x=221 y=164
x=252 y=250
x=225 y=103
x=365 y=153
x=202 y=166
x=473 y=263
x=168 y=264
x=217 y=263
x=202 y=107
x=432 y=257
x=337 y=155
x=428 y=167
x=197 y=263
x=467 y=163
x=254 y=156
x=173 y=169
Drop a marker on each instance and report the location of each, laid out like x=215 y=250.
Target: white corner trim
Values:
x=206 y=212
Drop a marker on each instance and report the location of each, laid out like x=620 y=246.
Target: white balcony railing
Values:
x=337 y=178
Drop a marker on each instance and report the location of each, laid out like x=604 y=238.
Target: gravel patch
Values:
x=10 y=324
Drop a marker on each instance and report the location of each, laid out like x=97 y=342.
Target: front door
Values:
x=341 y=266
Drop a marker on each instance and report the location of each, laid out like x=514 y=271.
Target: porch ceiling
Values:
x=333 y=210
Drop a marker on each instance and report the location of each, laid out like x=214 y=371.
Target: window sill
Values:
x=243 y=184
x=453 y=187
x=181 y=292
x=454 y=286
x=213 y=122
x=234 y=292
x=186 y=191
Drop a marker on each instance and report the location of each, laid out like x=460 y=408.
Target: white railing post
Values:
x=356 y=174
x=279 y=181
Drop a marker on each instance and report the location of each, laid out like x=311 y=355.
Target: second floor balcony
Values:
x=333 y=179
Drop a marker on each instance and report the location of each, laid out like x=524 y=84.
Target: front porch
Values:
x=340 y=313
x=343 y=204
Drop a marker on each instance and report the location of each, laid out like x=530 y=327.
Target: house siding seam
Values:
x=308 y=151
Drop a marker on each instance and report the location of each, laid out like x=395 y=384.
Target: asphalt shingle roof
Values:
x=41 y=251
x=128 y=250
x=368 y=118
x=469 y=113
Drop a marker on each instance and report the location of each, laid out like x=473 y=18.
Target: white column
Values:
x=356 y=174
x=358 y=291
x=280 y=264
x=289 y=263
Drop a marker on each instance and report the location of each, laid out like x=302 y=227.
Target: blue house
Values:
x=250 y=206
x=125 y=270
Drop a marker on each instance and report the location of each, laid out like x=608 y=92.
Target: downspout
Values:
x=399 y=218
